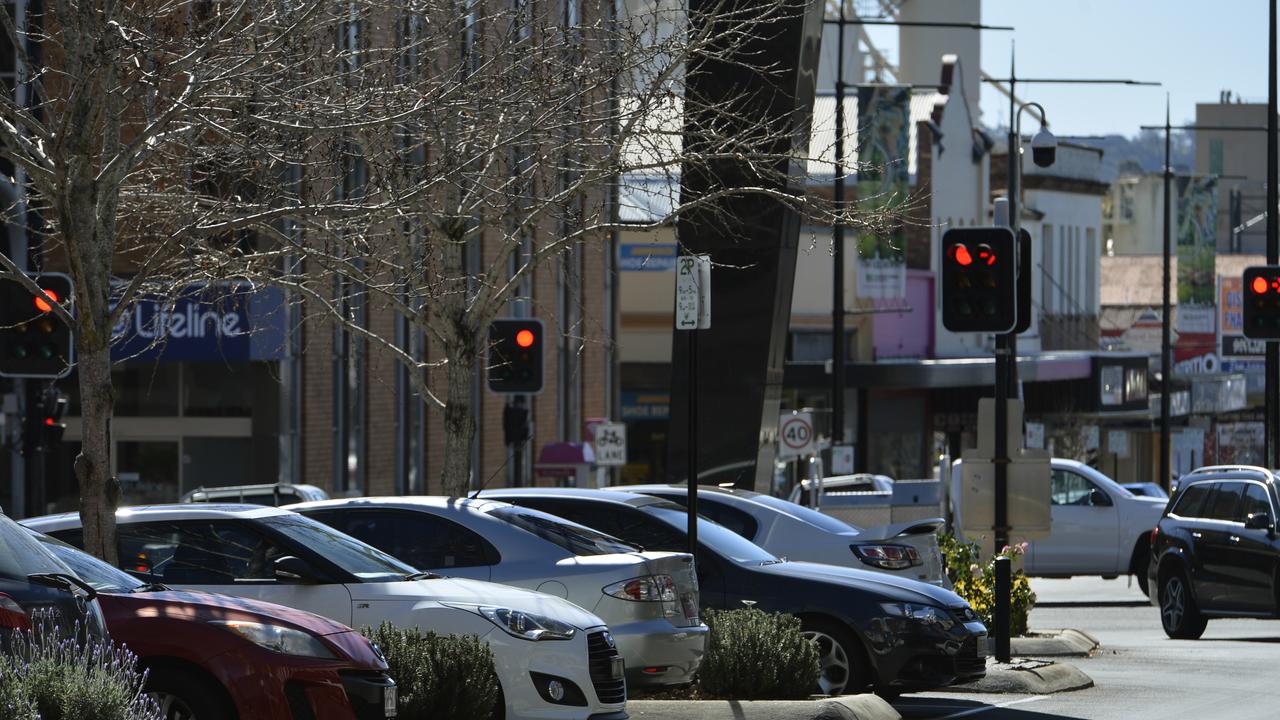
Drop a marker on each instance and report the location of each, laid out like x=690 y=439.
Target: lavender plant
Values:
x=50 y=676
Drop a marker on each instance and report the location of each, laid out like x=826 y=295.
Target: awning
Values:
x=899 y=374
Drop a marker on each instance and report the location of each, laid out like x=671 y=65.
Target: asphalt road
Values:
x=1230 y=673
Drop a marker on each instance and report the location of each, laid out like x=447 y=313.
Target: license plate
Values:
x=389 y=702
x=617 y=667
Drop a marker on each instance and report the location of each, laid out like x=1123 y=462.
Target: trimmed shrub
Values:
x=754 y=655
x=976 y=582
x=50 y=677
x=442 y=677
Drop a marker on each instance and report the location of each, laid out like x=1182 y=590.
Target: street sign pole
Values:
x=693 y=313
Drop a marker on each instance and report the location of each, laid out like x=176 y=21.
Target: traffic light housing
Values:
x=43 y=427
x=1024 y=282
x=515 y=356
x=34 y=341
x=1262 y=302
x=979 y=280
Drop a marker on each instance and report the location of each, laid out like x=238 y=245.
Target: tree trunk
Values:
x=459 y=419
x=99 y=490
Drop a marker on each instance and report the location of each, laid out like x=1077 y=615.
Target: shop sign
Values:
x=204 y=323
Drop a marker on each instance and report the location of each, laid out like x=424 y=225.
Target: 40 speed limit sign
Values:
x=795 y=435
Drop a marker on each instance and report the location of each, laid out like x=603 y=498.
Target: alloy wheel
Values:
x=833 y=662
x=1173 y=603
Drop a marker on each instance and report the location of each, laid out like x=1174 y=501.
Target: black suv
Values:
x=1214 y=552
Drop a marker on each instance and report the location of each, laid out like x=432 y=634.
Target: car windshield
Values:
x=813 y=517
x=103 y=577
x=717 y=537
x=366 y=562
x=574 y=538
x=21 y=555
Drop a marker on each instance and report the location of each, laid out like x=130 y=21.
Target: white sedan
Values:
x=649 y=599
x=554 y=659
x=1096 y=526
x=907 y=550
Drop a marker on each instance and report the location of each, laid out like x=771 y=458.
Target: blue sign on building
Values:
x=206 y=323
x=648 y=257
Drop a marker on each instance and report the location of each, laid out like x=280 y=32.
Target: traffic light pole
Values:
x=691 y=484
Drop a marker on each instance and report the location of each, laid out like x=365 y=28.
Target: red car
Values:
x=215 y=657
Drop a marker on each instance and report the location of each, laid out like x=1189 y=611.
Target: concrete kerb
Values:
x=1027 y=677
x=849 y=707
x=1054 y=643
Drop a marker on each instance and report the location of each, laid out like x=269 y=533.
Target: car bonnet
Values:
x=884 y=587
x=461 y=591
x=210 y=606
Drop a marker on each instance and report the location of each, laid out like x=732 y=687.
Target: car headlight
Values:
x=926 y=614
x=521 y=624
x=286 y=641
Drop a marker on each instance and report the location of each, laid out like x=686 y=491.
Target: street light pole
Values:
x=1273 y=249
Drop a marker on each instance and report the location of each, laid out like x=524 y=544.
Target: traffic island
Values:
x=1027 y=677
x=1054 y=643
x=848 y=707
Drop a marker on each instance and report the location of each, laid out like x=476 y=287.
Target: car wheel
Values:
x=184 y=696
x=1178 y=613
x=842 y=664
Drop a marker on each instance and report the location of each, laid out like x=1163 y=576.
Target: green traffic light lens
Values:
x=19 y=352
x=48 y=352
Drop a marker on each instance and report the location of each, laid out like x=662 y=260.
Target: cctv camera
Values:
x=1044 y=148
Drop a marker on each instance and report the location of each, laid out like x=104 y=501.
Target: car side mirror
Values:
x=295 y=569
x=1097 y=498
x=1258 y=521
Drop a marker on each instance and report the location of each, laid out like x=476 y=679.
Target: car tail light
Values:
x=888 y=557
x=649 y=588
x=12 y=616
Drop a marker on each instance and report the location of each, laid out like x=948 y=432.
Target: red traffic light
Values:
x=525 y=338
x=960 y=253
x=986 y=255
x=1260 y=285
x=43 y=305
x=50 y=421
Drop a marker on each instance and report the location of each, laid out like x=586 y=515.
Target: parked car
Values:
x=907 y=549
x=215 y=657
x=553 y=659
x=1097 y=527
x=1214 y=552
x=34 y=582
x=858 y=482
x=872 y=629
x=273 y=494
x=648 y=599
x=1147 y=489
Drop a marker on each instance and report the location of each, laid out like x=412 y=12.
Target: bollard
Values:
x=1001 y=619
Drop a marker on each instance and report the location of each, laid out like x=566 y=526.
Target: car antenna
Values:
x=501 y=467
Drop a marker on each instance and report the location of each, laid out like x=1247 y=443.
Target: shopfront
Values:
x=197 y=397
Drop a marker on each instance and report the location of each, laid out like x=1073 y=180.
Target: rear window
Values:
x=576 y=539
x=1191 y=501
x=813 y=517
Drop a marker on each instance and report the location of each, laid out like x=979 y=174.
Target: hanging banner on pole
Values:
x=884 y=118
x=1197 y=224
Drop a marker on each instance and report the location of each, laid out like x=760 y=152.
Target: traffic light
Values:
x=43 y=427
x=34 y=341
x=515 y=356
x=1262 y=302
x=1024 y=282
x=979 y=280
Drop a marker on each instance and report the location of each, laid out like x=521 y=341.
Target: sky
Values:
x=1196 y=49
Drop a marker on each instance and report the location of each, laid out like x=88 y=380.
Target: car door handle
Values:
x=1196 y=535
x=1234 y=539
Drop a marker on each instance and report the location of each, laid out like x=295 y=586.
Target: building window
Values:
x=1112 y=377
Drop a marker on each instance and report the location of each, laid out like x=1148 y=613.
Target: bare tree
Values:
x=118 y=135
x=480 y=139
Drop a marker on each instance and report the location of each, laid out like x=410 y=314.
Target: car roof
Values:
x=613 y=494
x=440 y=502
x=1228 y=472
x=171 y=511
x=711 y=489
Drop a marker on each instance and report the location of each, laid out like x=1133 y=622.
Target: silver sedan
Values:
x=648 y=599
